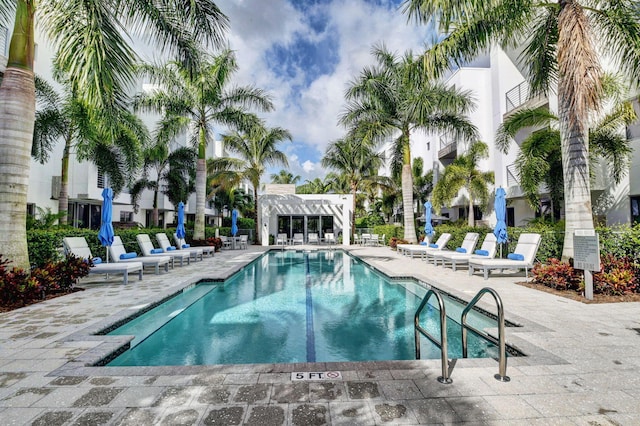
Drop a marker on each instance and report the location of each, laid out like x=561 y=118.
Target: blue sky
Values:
x=304 y=52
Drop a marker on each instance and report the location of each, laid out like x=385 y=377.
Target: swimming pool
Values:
x=290 y=306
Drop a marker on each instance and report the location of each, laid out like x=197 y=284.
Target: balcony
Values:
x=520 y=97
x=448 y=150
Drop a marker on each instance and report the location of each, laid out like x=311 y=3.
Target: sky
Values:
x=304 y=53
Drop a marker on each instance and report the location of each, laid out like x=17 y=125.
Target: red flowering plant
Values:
x=557 y=274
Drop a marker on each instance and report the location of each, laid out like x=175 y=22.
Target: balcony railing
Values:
x=448 y=148
x=512 y=176
x=517 y=96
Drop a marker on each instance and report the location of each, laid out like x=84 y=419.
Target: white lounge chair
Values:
x=455 y=259
x=526 y=249
x=422 y=250
x=329 y=238
x=468 y=245
x=312 y=238
x=281 y=240
x=165 y=244
x=297 y=239
x=149 y=250
x=79 y=247
x=402 y=247
x=118 y=253
x=180 y=242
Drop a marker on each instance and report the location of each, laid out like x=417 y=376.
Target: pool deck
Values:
x=582 y=368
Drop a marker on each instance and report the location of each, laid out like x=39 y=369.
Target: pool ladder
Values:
x=447 y=366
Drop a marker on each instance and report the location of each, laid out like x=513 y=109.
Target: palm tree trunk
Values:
x=577 y=187
x=407 y=190
x=63 y=197
x=471 y=220
x=257 y=225
x=154 y=214
x=201 y=188
x=17 y=115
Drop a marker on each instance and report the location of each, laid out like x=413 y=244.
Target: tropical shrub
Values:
x=209 y=241
x=618 y=276
x=389 y=231
x=394 y=241
x=557 y=274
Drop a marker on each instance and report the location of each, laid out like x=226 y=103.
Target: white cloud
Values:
x=310 y=111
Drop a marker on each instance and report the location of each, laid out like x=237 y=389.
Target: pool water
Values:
x=290 y=306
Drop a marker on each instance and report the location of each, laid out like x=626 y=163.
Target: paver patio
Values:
x=582 y=365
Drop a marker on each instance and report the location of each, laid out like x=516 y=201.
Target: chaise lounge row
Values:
x=123 y=262
x=483 y=259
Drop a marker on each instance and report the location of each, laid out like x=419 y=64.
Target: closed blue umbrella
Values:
x=234 y=222
x=500 y=206
x=180 y=231
x=106 y=228
x=428 y=229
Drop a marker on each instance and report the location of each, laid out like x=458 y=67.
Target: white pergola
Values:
x=337 y=205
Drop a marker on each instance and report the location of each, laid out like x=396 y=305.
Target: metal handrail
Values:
x=502 y=355
x=442 y=344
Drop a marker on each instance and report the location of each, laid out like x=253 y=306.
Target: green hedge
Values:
x=389 y=231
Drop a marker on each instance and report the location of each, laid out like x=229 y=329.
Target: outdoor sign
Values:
x=586 y=256
x=316 y=375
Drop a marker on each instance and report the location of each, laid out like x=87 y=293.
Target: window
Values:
x=101 y=179
x=635 y=209
x=126 y=217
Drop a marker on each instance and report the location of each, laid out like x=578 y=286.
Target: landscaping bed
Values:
x=579 y=297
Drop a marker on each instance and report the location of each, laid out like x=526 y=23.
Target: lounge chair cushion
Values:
x=186 y=245
x=96 y=260
x=461 y=250
x=128 y=255
x=423 y=243
x=157 y=250
x=482 y=252
x=515 y=256
x=432 y=245
x=171 y=248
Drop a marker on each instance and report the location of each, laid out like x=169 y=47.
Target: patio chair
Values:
x=226 y=242
x=312 y=238
x=522 y=257
x=243 y=241
x=364 y=239
x=118 y=253
x=180 y=242
x=165 y=244
x=374 y=240
x=486 y=251
x=149 y=250
x=422 y=250
x=297 y=239
x=281 y=240
x=79 y=247
x=329 y=238
x=468 y=245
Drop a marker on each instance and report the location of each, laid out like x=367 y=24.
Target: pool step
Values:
x=147 y=323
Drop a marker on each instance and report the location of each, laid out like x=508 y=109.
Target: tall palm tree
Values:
x=422 y=182
x=255 y=149
x=463 y=173
x=563 y=45
x=357 y=162
x=284 y=177
x=159 y=169
x=395 y=98
x=193 y=100
x=92 y=49
x=68 y=118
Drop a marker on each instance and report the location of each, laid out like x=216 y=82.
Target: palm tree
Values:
x=422 y=182
x=169 y=170
x=564 y=42
x=539 y=160
x=255 y=150
x=315 y=186
x=463 y=173
x=356 y=163
x=395 y=98
x=91 y=49
x=82 y=130
x=284 y=177
x=193 y=100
